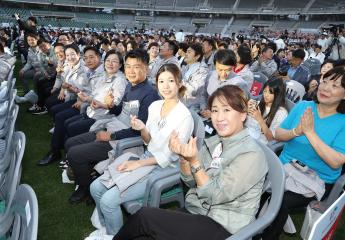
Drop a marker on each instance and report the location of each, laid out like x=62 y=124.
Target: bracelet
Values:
x=294 y=132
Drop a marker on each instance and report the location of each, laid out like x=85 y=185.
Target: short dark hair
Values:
x=153 y=44
x=32 y=18
x=138 y=54
x=42 y=40
x=245 y=54
x=265 y=49
x=74 y=47
x=223 y=44
x=58 y=45
x=197 y=47
x=119 y=55
x=91 y=48
x=32 y=35
x=225 y=57
x=64 y=34
x=105 y=41
x=172 y=46
x=298 y=53
x=133 y=43
x=273 y=46
x=211 y=42
x=184 y=46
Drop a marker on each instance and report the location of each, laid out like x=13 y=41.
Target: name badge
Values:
x=216 y=163
x=134 y=104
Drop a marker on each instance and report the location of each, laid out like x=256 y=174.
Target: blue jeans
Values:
x=108 y=202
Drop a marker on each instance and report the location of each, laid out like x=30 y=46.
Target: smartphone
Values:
x=132 y=158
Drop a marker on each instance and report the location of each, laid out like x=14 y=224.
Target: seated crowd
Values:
x=102 y=88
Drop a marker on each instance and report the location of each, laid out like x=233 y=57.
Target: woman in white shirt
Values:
x=269 y=113
x=165 y=117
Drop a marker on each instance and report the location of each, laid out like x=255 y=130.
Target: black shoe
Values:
x=78 y=196
x=51 y=156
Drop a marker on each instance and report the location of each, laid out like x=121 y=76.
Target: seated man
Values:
x=45 y=78
x=265 y=63
x=33 y=64
x=167 y=54
x=84 y=150
x=297 y=71
x=194 y=76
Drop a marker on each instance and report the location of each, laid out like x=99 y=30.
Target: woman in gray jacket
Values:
x=225 y=177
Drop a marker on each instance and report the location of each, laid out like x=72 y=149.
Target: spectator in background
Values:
x=315 y=79
x=225 y=62
x=209 y=47
x=265 y=64
x=323 y=41
x=297 y=70
x=167 y=54
x=182 y=49
x=194 y=76
x=317 y=54
x=45 y=78
x=223 y=45
x=153 y=50
x=242 y=67
x=29 y=27
x=131 y=45
x=105 y=47
x=32 y=64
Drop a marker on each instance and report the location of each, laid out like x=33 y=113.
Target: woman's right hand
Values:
x=65 y=85
x=137 y=124
x=188 y=151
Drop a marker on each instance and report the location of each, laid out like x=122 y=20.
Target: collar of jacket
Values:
x=227 y=142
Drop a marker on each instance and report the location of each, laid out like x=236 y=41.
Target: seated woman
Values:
x=315 y=79
x=164 y=117
x=110 y=82
x=226 y=179
x=314 y=133
x=266 y=116
x=75 y=80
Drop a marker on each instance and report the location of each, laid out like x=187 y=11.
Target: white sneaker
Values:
x=52 y=130
x=103 y=237
x=99 y=234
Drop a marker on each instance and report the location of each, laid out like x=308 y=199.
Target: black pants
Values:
x=53 y=100
x=163 y=224
x=44 y=88
x=77 y=125
x=59 y=137
x=291 y=201
x=82 y=153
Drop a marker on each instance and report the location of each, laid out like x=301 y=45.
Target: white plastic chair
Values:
x=294 y=91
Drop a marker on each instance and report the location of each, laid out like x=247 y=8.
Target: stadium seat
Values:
x=276 y=180
x=294 y=91
x=22 y=222
x=5 y=143
x=314 y=66
x=9 y=180
x=165 y=186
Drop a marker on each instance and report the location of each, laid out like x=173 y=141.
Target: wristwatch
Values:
x=194 y=170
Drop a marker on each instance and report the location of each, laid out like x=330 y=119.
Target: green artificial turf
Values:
x=59 y=220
